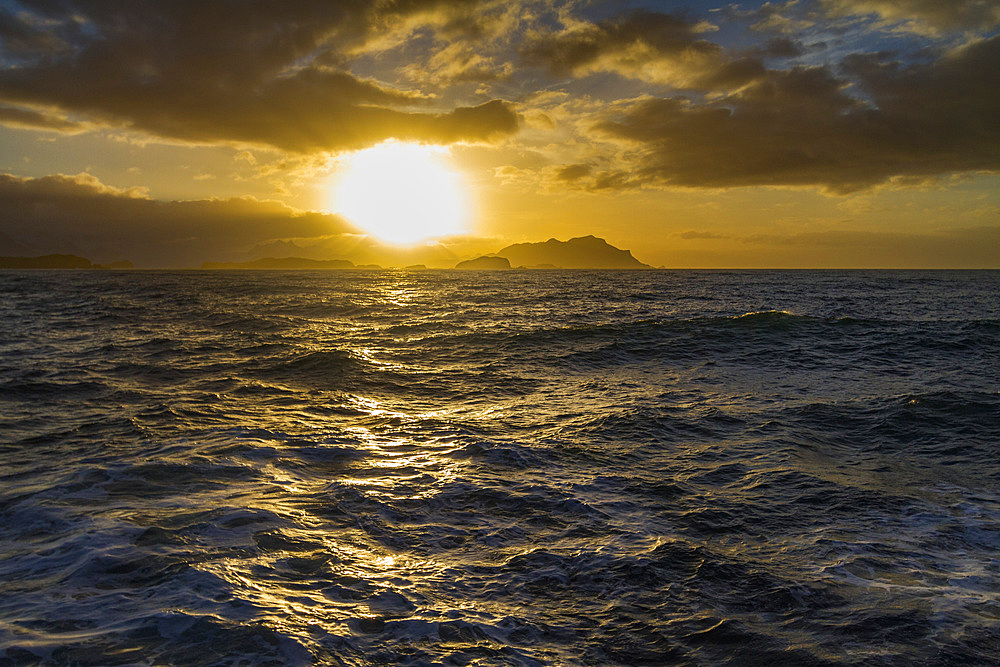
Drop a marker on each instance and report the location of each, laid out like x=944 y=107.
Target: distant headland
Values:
x=290 y=263
x=58 y=262
x=584 y=252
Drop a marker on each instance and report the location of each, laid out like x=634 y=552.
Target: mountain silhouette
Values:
x=584 y=252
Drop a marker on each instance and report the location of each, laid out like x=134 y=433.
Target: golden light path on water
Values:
x=515 y=468
x=375 y=583
x=384 y=582
x=360 y=586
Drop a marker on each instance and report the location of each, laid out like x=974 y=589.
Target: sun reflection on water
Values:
x=323 y=563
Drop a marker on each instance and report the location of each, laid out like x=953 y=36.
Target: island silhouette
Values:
x=486 y=262
x=58 y=262
x=584 y=252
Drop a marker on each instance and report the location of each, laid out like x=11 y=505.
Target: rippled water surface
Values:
x=519 y=468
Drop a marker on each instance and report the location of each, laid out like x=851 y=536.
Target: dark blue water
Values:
x=521 y=468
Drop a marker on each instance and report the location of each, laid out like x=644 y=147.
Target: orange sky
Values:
x=817 y=133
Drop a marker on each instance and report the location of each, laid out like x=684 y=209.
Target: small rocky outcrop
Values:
x=487 y=262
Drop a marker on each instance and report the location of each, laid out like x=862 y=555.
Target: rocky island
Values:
x=486 y=262
x=584 y=252
x=58 y=262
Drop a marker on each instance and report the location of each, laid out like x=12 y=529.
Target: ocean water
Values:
x=500 y=468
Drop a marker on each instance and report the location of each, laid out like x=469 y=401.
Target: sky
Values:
x=797 y=134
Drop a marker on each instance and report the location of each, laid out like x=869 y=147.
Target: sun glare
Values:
x=402 y=193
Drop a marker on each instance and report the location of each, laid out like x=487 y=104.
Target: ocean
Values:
x=500 y=468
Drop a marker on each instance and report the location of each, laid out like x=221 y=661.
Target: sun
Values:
x=402 y=193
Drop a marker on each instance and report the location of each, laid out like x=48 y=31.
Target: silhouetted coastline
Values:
x=58 y=262
x=288 y=263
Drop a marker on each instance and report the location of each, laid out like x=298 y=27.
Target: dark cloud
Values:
x=566 y=51
x=37 y=120
x=254 y=73
x=278 y=74
x=802 y=127
x=782 y=47
x=25 y=36
x=653 y=46
x=573 y=172
x=78 y=214
x=924 y=16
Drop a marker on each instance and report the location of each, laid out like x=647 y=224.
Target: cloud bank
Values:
x=80 y=215
x=646 y=45
x=685 y=107
x=258 y=73
x=931 y=17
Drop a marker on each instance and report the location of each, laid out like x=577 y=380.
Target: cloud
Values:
x=650 y=46
x=572 y=172
x=800 y=126
x=457 y=62
x=699 y=235
x=38 y=120
x=784 y=18
x=930 y=17
x=267 y=74
x=782 y=47
x=79 y=214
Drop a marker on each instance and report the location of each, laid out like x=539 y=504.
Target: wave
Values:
x=551 y=468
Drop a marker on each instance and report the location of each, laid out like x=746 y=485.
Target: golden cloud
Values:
x=929 y=17
x=650 y=46
x=201 y=73
x=800 y=126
